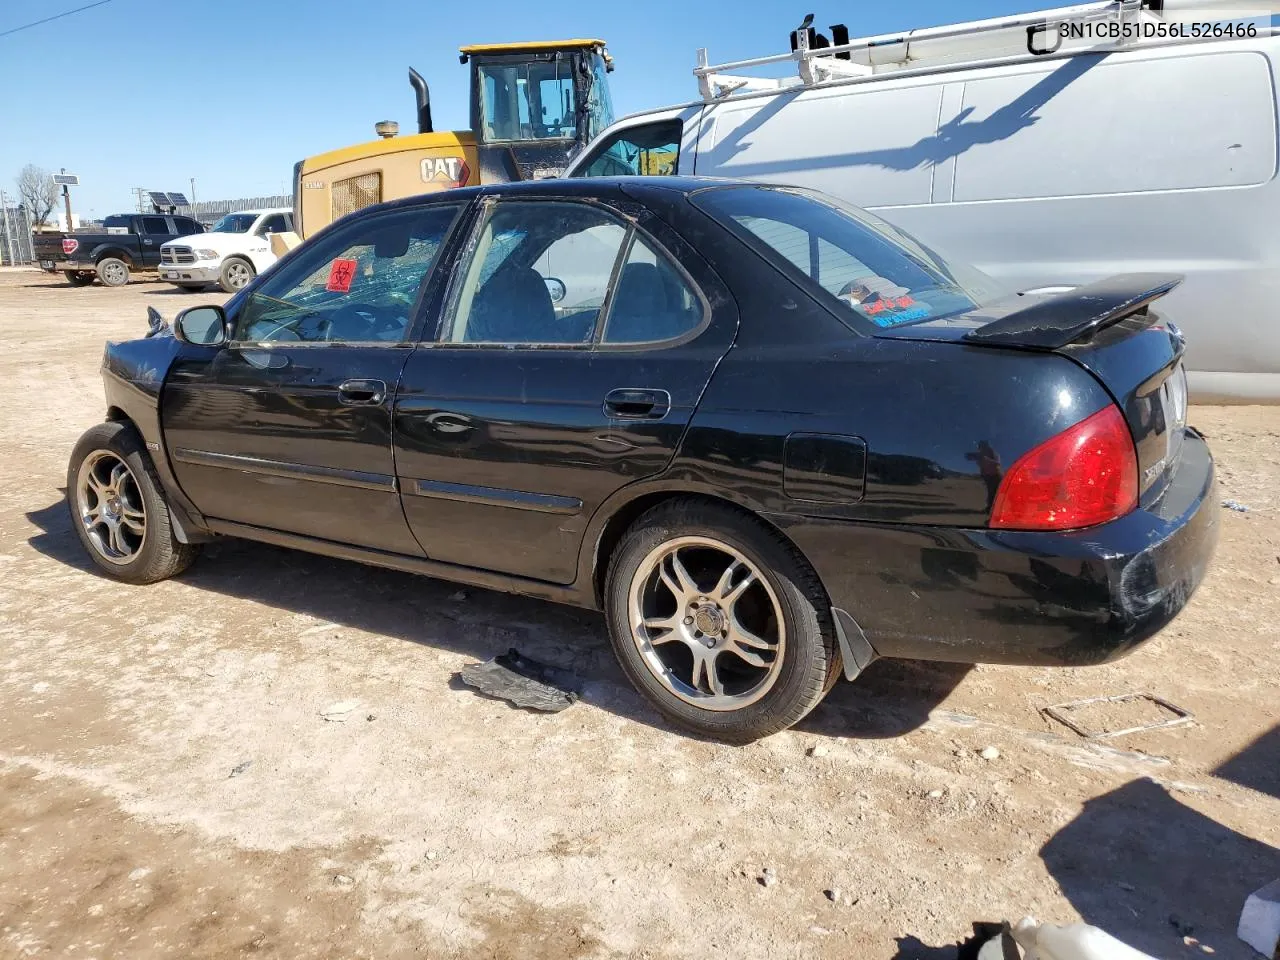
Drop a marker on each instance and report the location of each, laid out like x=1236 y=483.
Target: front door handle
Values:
x=634 y=403
x=362 y=393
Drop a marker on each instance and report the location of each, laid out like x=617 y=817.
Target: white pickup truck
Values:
x=232 y=253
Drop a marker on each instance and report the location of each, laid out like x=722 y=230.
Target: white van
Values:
x=1061 y=168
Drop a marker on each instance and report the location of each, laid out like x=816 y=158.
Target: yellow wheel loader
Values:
x=533 y=106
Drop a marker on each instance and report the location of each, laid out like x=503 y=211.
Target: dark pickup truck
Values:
x=131 y=242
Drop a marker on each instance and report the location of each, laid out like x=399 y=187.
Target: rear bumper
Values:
x=984 y=596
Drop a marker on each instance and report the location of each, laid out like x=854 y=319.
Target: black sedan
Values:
x=771 y=436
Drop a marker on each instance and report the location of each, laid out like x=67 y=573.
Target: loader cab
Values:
x=535 y=105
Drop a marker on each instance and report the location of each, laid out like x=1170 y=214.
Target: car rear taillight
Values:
x=69 y=245
x=1086 y=475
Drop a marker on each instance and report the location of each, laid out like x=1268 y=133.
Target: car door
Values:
x=155 y=233
x=288 y=426
x=575 y=342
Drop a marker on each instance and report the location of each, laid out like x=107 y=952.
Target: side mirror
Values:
x=206 y=326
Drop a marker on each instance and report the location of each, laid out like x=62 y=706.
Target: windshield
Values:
x=529 y=101
x=870 y=269
x=234 y=223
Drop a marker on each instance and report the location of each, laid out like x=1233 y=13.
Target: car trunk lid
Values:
x=1108 y=328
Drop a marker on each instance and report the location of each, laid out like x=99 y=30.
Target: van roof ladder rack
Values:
x=975 y=43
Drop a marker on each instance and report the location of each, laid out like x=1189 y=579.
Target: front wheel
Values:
x=719 y=621
x=79 y=279
x=236 y=274
x=118 y=507
x=113 y=272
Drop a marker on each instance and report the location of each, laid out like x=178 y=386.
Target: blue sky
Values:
x=233 y=92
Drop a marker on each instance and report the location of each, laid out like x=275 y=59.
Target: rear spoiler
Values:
x=1055 y=321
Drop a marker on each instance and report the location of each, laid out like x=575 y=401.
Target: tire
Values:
x=236 y=273
x=79 y=279
x=781 y=605
x=113 y=272
x=126 y=501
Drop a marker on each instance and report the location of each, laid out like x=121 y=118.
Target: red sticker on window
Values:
x=341 y=273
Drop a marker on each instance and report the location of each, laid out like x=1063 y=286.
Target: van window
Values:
x=849 y=259
x=1095 y=125
x=650 y=150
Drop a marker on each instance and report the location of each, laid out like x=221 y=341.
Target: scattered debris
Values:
x=833 y=894
x=240 y=768
x=338 y=712
x=935 y=794
x=342 y=880
x=1180 y=926
x=458 y=597
x=257 y=941
x=431 y=854
x=817 y=750
x=141 y=873
x=1127 y=887
x=371 y=717
x=767 y=877
x=1235 y=505
x=1077 y=941
x=523 y=682
x=1260 y=920
x=989 y=753
x=1060 y=711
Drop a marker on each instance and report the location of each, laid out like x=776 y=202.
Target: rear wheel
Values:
x=118 y=507
x=236 y=273
x=79 y=279
x=113 y=272
x=719 y=621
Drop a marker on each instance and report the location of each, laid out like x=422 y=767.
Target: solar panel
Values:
x=178 y=200
x=158 y=198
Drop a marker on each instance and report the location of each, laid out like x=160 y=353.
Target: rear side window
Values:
x=155 y=225
x=868 y=270
x=652 y=150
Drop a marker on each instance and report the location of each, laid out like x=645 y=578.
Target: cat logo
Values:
x=445 y=171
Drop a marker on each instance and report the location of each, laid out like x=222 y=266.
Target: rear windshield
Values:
x=869 y=270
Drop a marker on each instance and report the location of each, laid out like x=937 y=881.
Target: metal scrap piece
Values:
x=523 y=682
x=1059 y=710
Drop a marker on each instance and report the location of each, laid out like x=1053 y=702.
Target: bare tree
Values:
x=38 y=192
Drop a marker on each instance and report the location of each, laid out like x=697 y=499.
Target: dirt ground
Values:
x=169 y=788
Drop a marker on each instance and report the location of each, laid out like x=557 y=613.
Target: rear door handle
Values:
x=636 y=403
x=362 y=393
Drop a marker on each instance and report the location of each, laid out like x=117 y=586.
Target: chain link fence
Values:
x=15 y=236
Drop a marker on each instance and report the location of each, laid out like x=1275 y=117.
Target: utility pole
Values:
x=193 y=191
x=66 y=199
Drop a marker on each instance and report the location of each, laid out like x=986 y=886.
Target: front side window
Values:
x=234 y=223
x=273 y=224
x=652 y=150
x=871 y=270
x=357 y=285
x=529 y=101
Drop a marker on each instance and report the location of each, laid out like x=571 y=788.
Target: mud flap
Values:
x=855 y=649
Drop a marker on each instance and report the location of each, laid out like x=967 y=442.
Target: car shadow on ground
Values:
x=890 y=699
x=1151 y=870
